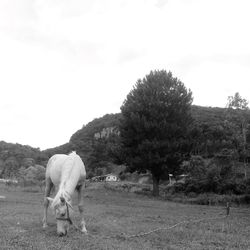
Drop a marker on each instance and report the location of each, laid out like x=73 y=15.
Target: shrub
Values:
x=216 y=176
x=247 y=183
x=122 y=176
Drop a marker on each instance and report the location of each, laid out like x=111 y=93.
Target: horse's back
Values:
x=59 y=164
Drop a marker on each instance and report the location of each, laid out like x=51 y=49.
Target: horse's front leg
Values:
x=48 y=188
x=80 y=207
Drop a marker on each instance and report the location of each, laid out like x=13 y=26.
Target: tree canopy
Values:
x=154 y=124
x=237 y=102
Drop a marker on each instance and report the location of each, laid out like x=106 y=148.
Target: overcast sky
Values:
x=64 y=63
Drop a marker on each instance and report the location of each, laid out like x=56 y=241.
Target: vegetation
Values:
x=33 y=175
x=219 y=175
x=154 y=125
x=241 y=125
x=98 y=144
x=213 y=139
x=157 y=131
x=15 y=156
x=62 y=149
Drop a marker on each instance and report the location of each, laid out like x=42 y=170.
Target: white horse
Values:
x=66 y=173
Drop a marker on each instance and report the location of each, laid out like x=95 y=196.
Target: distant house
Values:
x=107 y=177
x=111 y=177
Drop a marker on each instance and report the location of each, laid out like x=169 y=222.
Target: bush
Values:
x=122 y=176
x=34 y=175
x=247 y=183
x=215 y=185
x=212 y=176
x=193 y=185
x=176 y=188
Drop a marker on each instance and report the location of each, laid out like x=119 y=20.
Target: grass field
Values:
x=111 y=215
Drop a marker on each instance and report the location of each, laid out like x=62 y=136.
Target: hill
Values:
x=98 y=143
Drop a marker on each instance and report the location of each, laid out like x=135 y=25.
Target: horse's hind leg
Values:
x=48 y=188
x=80 y=207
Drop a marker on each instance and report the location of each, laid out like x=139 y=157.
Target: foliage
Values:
x=216 y=129
x=237 y=102
x=241 y=126
x=98 y=143
x=195 y=167
x=95 y=126
x=62 y=149
x=154 y=124
x=215 y=175
x=15 y=156
x=34 y=175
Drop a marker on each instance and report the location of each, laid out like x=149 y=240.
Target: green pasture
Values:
x=120 y=220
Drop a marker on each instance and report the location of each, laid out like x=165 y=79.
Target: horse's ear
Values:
x=50 y=199
x=69 y=204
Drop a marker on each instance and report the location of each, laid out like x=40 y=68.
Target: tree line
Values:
x=160 y=131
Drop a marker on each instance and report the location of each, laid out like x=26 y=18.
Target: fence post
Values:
x=228 y=208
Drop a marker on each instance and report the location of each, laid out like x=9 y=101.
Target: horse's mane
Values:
x=61 y=193
x=73 y=153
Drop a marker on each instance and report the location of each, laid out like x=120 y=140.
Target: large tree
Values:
x=154 y=124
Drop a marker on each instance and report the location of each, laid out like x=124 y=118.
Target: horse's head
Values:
x=61 y=208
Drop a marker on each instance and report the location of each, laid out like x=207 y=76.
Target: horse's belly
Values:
x=55 y=176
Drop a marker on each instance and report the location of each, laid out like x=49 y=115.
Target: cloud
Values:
x=190 y=62
x=85 y=29
x=65 y=63
x=128 y=54
x=161 y=3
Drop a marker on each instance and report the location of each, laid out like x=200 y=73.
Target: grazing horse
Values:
x=66 y=173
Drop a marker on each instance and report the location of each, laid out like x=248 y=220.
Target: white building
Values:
x=111 y=177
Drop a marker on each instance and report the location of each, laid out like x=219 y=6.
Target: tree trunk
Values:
x=156 y=181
